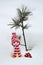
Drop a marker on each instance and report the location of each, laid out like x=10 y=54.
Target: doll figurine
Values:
x=15 y=43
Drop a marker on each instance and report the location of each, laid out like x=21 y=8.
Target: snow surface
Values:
x=6 y=49
x=34 y=35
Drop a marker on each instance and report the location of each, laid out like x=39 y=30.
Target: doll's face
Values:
x=15 y=44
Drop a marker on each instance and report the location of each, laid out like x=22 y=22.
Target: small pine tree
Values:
x=19 y=22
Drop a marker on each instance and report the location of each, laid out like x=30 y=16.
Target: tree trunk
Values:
x=25 y=41
x=24 y=38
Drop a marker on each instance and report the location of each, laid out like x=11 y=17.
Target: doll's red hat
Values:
x=13 y=33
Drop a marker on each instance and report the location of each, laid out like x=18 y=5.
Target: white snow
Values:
x=6 y=49
x=34 y=35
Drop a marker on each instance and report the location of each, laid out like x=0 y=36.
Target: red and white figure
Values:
x=15 y=43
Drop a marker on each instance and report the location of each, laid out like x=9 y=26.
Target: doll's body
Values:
x=15 y=43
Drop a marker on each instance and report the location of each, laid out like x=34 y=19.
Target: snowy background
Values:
x=34 y=35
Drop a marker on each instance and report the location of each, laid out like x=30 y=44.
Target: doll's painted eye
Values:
x=13 y=43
